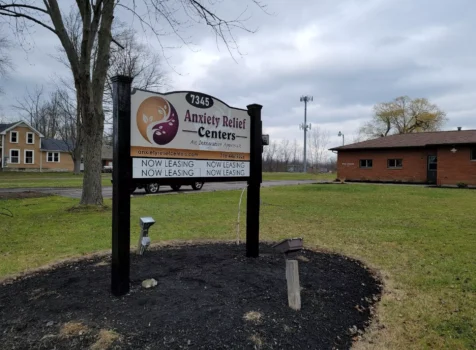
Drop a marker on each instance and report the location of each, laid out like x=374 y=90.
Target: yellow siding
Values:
x=39 y=160
x=22 y=146
x=65 y=164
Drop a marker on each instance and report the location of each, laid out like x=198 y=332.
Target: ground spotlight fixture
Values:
x=144 y=239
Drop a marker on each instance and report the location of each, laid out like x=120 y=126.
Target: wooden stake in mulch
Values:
x=294 y=289
x=290 y=248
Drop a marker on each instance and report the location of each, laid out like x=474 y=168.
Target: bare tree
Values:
x=5 y=62
x=361 y=135
x=70 y=127
x=3 y=119
x=38 y=112
x=319 y=140
x=136 y=60
x=90 y=68
x=296 y=152
x=56 y=117
x=286 y=153
x=284 y=156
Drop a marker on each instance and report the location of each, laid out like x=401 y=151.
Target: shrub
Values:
x=462 y=185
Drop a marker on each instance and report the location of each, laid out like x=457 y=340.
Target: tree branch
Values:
x=57 y=19
x=24 y=6
x=10 y=13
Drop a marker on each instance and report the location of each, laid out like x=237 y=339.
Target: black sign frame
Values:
x=122 y=182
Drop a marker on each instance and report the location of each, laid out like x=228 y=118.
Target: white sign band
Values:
x=145 y=168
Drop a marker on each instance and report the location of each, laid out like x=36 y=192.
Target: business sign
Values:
x=179 y=135
x=186 y=168
x=187 y=125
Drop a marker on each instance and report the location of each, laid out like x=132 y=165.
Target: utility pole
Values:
x=305 y=126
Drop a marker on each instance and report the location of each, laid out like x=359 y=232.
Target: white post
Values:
x=294 y=290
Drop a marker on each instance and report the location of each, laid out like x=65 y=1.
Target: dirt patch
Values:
x=253 y=316
x=88 y=208
x=71 y=329
x=105 y=340
x=209 y=296
x=22 y=195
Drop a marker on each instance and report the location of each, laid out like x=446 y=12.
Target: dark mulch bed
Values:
x=202 y=296
x=22 y=195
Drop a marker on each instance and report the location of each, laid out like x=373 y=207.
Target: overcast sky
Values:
x=347 y=54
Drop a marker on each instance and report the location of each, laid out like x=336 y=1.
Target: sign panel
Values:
x=187 y=125
x=143 y=168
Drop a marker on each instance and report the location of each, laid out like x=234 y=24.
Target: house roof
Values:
x=55 y=145
x=5 y=127
x=422 y=139
x=66 y=146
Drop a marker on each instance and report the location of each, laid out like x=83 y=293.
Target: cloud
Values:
x=348 y=54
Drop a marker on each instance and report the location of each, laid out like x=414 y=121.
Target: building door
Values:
x=432 y=169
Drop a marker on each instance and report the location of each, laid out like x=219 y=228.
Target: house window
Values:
x=394 y=163
x=473 y=154
x=13 y=136
x=14 y=156
x=53 y=157
x=30 y=138
x=366 y=163
x=29 y=158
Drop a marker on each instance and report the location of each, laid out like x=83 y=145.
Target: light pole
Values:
x=341 y=134
x=304 y=126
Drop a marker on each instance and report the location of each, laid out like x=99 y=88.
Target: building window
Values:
x=394 y=163
x=366 y=163
x=53 y=157
x=13 y=136
x=473 y=154
x=30 y=138
x=29 y=157
x=14 y=156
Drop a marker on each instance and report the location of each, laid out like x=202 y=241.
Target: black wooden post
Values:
x=121 y=183
x=254 y=183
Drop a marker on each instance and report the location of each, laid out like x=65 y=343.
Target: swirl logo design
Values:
x=157 y=120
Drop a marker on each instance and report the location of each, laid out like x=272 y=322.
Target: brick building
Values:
x=442 y=158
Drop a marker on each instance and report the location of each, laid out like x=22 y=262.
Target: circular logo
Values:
x=157 y=120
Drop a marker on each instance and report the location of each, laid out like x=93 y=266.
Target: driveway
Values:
x=208 y=187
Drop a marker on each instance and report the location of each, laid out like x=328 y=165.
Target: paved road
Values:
x=208 y=187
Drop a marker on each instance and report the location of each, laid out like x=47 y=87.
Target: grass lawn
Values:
x=422 y=240
x=31 y=180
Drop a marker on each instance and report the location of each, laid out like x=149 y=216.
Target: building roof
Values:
x=66 y=146
x=55 y=145
x=4 y=127
x=421 y=139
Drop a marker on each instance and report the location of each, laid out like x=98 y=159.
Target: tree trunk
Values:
x=92 y=189
x=92 y=131
x=77 y=167
x=76 y=155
